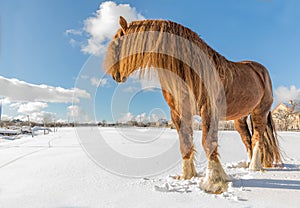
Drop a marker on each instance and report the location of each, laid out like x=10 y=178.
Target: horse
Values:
x=197 y=80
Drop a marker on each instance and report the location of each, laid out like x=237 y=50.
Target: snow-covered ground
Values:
x=54 y=171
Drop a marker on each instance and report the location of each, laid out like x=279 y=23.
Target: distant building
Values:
x=286 y=116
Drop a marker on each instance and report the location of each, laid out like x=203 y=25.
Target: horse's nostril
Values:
x=118 y=77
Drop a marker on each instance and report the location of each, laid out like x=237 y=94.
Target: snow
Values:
x=53 y=170
x=9 y=131
x=9 y=134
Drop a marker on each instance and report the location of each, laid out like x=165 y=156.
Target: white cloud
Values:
x=16 y=90
x=99 y=82
x=14 y=106
x=101 y=27
x=74 y=111
x=284 y=94
x=142 y=118
x=42 y=117
x=77 y=114
x=5 y=117
x=73 y=32
x=31 y=107
x=130 y=89
x=38 y=117
x=126 y=117
x=73 y=42
x=84 y=76
x=21 y=117
x=157 y=117
x=61 y=121
x=5 y=101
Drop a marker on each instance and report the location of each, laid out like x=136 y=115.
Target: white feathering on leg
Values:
x=216 y=180
x=249 y=153
x=255 y=164
x=188 y=168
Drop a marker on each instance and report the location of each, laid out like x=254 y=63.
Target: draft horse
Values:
x=195 y=79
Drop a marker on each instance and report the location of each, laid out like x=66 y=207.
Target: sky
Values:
x=51 y=53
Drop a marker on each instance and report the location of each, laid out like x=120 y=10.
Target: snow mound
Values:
x=180 y=186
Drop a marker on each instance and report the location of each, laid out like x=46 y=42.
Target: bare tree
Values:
x=287 y=117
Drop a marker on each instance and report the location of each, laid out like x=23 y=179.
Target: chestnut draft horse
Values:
x=196 y=80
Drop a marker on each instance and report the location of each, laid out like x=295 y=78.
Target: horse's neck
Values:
x=220 y=62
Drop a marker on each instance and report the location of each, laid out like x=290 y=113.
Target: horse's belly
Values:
x=236 y=115
x=242 y=103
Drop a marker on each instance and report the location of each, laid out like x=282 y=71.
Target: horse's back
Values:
x=262 y=73
x=257 y=67
x=250 y=87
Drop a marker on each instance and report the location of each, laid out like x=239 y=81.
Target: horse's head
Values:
x=148 y=44
x=113 y=60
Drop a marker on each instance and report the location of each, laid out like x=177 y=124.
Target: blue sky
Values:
x=45 y=43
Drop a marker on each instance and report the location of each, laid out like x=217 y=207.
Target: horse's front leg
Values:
x=182 y=120
x=183 y=125
x=215 y=180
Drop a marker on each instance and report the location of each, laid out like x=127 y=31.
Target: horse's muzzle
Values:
x=117 y=77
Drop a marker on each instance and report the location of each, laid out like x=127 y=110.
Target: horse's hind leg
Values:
x=242 y=127
x=259 y=120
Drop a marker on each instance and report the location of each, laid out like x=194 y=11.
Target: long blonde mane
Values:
x=186 y=65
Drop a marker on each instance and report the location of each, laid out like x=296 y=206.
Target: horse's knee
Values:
x=211 y=150
x=187 y=152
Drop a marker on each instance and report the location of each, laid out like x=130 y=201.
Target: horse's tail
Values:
x=271 y=154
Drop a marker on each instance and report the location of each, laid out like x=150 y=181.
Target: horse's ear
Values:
x=123 y=24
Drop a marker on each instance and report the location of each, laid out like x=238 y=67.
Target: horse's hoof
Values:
x=178 y=177
x=217 y=187
x=184 y=177
x=255 y=167
x=278 y=165
x=215 y=180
